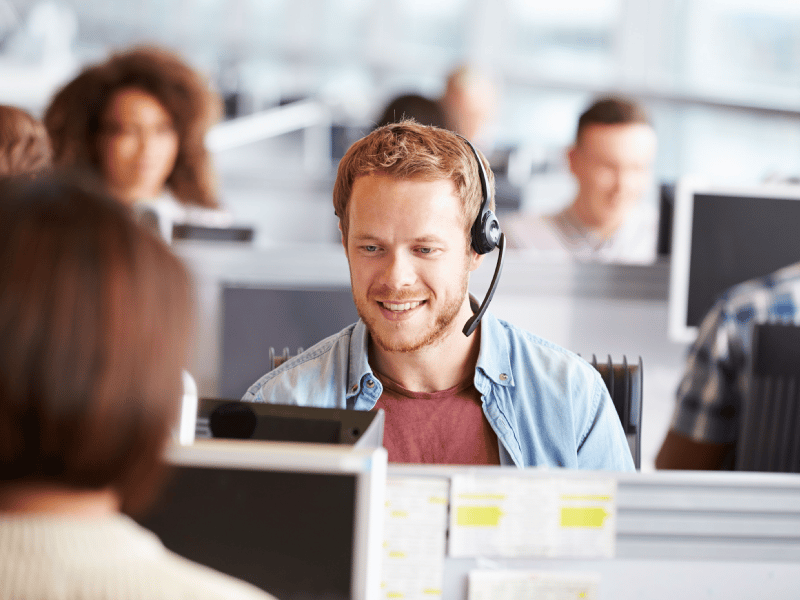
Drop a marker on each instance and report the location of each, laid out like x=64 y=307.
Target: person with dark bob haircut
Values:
x=24 y=145
x=95 y=322
x=138 y=122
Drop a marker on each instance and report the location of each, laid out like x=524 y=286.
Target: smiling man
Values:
x=407 y=196
x=611 y=162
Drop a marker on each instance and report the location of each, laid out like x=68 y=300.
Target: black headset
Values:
x=485 y=236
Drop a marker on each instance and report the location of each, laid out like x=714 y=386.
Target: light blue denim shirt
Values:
x=547 y=405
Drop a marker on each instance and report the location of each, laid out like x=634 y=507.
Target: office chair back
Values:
x=276 y=360
x=769 y=424
x=624 y=383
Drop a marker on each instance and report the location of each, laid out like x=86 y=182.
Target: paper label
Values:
x=512 y=585
x=513 y=516
x=415 y=533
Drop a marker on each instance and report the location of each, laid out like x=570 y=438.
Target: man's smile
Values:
x=400 y=306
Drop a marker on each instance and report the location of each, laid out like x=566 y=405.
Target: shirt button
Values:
x=354 y=388
x=370 y=383
x=503 y=377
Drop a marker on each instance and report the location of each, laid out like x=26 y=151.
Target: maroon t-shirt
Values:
x=446 y=427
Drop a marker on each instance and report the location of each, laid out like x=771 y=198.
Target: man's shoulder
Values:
x=300 y=376
x=530 y=351
x=760 y=294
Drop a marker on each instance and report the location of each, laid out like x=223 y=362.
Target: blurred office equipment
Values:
x=308 y=116
x=677 y=534
x=233 y=419
x=624 y=383
x=769 y=438
x=666 y=213
x=257 y=318
x=299 y=520
x=722 y=237
x=185 y=231
x=275 y=360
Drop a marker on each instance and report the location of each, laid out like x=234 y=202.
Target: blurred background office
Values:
x=719 y=78
x=302 y=79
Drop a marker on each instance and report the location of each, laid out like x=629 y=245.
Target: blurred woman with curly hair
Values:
x=138 y=121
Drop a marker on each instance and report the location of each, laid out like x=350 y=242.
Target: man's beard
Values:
x=442 y=324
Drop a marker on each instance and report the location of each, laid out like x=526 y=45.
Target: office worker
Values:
x=412 y=106
x=407 y=196
x=705 y=425
x=611 y=161
x=95 y=319
x=24 y=145
x=468 y=102
x=138 y=121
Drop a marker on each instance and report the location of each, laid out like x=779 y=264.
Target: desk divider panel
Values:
x=675 y=534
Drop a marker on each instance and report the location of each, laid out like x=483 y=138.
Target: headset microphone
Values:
x=486 y=236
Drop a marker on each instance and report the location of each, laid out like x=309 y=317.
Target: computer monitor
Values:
x=233 y=419
x=184 y=231
x=666 y=211
x=255 y=319
x=724 y=236
x=297 y=520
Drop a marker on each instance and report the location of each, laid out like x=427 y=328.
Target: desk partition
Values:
x=611 y=536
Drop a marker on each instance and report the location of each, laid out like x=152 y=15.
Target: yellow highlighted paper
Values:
x=589 y=517
x=478 y=516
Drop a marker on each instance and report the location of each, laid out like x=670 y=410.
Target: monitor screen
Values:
x=255 y=319
x=722 y=237
x=297 y=520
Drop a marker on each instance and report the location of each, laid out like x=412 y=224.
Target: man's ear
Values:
x=475 y=259
x=572 y=158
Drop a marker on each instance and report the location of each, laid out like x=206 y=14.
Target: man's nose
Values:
x=399 y=270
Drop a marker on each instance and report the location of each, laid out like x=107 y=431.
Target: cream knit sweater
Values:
x=45 y=557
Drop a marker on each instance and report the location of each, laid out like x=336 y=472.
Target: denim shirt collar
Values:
x=494 y=358
x=363 y=388
x=494 y=363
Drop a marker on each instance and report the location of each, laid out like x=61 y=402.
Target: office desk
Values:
x=679 y=535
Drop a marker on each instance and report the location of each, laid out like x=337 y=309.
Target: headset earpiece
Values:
x=486 y=236
x=485 y=232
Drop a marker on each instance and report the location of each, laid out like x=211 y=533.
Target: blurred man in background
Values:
x=611 y=160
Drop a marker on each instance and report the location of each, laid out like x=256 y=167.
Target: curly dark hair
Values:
x=74 y=117
x=24 y=145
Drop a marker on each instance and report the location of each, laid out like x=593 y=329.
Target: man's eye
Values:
x=370 y=248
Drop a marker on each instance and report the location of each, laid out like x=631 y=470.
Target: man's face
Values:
x=409 y=260
x=612 y=164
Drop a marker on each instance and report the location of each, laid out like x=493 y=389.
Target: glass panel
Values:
x=422 y=26
x=744 y=49
x=737 y=148
x=570 y=39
